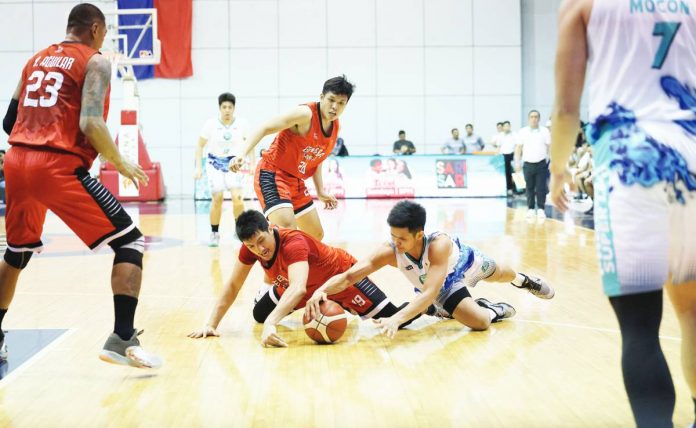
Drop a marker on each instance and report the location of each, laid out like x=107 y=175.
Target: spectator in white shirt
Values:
x=507 y=141
x=494 y=143
x=533 y=150
x=454 y=145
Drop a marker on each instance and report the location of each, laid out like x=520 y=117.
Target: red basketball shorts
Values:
x=276 y=189
x=38 y=180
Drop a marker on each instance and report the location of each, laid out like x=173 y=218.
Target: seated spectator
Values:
x=472 y=142
x=402 y=146
x=340 y=148
x=454 y=145
x=580 y=168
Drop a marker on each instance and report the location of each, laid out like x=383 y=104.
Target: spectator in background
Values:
x=472 y=142
x=494 y=143
x=340 y=148
x=402 y=146
x=533 y=149
x=454 y=145
x=507 y=143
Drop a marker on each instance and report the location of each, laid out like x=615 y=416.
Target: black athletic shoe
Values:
x=503 y=310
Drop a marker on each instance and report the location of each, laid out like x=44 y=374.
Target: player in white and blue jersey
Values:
x=222 y=135
x=440 y=268
x=641 y=59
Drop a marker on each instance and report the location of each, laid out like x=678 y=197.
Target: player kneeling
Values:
x=297 y=264
x=440 y=268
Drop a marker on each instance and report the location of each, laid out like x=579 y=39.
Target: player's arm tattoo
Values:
x=97 y=80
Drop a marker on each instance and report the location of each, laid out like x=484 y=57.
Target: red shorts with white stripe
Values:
x=41 y=179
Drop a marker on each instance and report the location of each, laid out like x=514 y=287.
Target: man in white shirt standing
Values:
x=533 y=150
x=494 y=143
x=222 y=135
x=507 y=142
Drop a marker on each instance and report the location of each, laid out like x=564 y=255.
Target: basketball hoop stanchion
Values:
x=129 y=138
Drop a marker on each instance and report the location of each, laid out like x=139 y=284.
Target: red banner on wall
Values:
x=174 y=22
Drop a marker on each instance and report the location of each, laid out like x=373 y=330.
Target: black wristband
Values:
x=10 y=117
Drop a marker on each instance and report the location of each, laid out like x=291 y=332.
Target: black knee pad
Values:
x=264 y=307
x=17 y=260
x=131 y=252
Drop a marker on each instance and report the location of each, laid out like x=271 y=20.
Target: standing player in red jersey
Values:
x=298 y=264
x=56 y=122
x=306 y=136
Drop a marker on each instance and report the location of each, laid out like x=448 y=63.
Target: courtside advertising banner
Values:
x=417 y=176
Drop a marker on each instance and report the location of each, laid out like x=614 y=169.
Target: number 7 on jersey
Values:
x=666 y=30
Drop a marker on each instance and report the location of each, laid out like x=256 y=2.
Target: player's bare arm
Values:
x=329 y=200
x=11 y=115
x=571 y=62
x=299 y=118
x=18 y=90
x=240 y=272
x=97 y=80
x=438 y=255
x=297 y=277
x=199 y=155
x=382 y=256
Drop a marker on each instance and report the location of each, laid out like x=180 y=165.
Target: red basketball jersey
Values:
x=294 y=246
x=51 y=98
x=300 y=155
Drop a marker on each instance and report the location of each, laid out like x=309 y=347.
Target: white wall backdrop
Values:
x=539 y=34
x=424 y=66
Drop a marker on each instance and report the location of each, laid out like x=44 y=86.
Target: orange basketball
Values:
x=329 y=325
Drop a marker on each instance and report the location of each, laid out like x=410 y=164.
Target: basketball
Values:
x=329 y=326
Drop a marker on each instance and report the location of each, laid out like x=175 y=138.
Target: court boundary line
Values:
x=34 y=358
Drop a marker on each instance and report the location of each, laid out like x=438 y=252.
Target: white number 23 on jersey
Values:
x=53 y=81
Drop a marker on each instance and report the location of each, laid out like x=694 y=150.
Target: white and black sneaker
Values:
x=436 y=311
x=502 y=310
x=214 y=239
x=537 y=287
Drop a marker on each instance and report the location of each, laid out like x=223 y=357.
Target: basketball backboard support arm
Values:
x=124 y=47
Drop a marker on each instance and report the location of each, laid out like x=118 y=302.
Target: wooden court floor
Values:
x=556 y=364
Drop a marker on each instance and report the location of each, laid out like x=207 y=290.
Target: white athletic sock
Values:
x=492 y=314
x=519 y=280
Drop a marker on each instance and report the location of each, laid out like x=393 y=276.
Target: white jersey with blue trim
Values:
x=417 y=270
x=642 y=60
x=223 y=139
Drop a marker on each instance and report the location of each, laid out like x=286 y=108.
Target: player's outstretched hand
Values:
x=132 y=171
x=330 y=201
x=387 y=326
x=312 y=306
x=237 y=163
x=198 y=174
x=270 y=337
x=204 y=332
x=557 y=190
